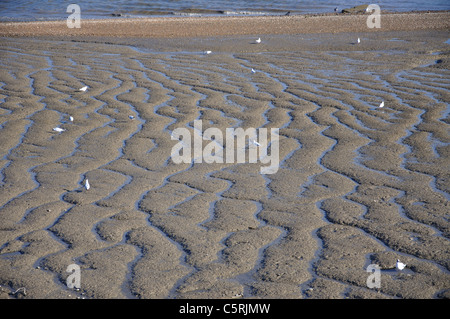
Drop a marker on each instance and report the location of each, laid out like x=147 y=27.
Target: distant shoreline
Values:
x=200 y=26
x=204 y=13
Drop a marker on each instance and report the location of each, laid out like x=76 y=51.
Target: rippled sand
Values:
x=357 y=184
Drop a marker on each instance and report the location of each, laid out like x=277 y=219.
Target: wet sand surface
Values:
x=356 y=185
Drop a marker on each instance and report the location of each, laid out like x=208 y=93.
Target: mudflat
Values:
x=357 y=184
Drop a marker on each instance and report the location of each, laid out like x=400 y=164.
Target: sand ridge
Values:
x=357 y=185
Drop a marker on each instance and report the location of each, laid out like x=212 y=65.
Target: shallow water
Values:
x=24 y=10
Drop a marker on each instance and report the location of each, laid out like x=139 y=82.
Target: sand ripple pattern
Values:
x=357 y=185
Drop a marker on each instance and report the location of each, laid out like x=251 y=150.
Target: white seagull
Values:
x=382 y=104
x=255 y=142
x=83 y=89
x=58 y=129
x=258 y=40
x=87 y=186
x=253 y=70
x=71 y=118
x=207 y=52
x=399 y=265
x=359 y=40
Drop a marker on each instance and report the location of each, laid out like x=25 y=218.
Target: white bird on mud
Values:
x=83 y=89
x=71 y=118
x=207 y=52
x=382 y=104
x=86 y=184
x=58 y=129
x=258 y=40
x=253 y=70
x=359 y=40
x=399 y=265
